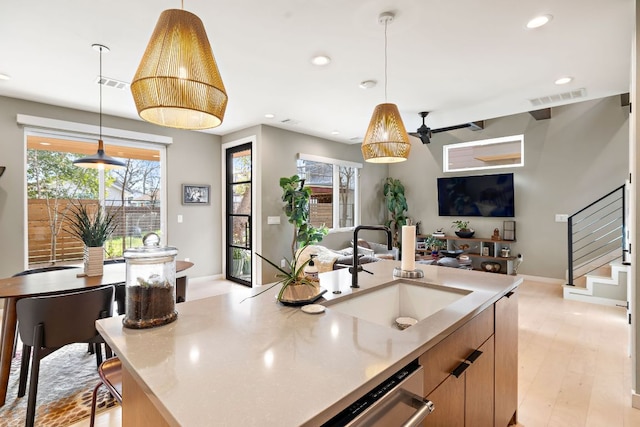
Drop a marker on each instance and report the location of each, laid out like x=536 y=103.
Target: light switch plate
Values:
x=562 y=218
x=273 y=220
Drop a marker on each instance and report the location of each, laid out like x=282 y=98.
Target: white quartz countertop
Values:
x=224 y=362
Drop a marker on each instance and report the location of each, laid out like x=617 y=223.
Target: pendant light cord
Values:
x=385 y=61
x=100 y=84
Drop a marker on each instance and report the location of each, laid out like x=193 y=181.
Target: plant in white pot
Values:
x=93 y=227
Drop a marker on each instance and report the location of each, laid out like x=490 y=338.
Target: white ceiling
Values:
x=462 y=60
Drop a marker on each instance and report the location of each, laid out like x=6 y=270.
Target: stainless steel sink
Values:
x=384 y=304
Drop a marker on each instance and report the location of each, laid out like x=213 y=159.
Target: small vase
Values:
x=93 y=260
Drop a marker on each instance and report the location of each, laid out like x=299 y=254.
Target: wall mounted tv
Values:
x=480 y=195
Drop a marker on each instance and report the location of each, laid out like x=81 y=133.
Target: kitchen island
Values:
x=229 y=363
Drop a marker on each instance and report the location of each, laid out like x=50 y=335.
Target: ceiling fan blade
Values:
x=471 y=125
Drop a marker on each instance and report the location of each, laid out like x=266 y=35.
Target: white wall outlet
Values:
x=273 y=220
x=283 y=263
x=562 y=218
x=179 y=219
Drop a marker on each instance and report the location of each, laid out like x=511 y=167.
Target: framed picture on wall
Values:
x=196 y=194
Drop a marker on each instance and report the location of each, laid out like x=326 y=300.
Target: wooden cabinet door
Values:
x=479 y=388
x=506 y=355
x=448 y=401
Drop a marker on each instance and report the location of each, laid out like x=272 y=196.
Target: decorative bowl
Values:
x=451 y=254
x=465 y=234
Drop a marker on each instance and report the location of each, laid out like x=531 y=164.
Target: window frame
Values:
x=446 y=168
x=337 y=163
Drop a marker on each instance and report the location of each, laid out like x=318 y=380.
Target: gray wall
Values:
x=278 y=154
x=193 y=158
x=572 y=159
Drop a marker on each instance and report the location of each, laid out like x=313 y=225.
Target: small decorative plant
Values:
x=461 y=225
x=463 y=229
x=434 y=243
x=93 y=228
x=293 y=275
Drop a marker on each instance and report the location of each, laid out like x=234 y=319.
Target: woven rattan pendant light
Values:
x=177 y=83
x=99 y=160
x=386 y=140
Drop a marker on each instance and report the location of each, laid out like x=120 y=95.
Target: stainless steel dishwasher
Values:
x=397 y=402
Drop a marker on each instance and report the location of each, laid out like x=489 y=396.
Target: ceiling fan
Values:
x=424 y=132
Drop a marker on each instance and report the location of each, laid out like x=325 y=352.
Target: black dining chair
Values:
x=48 y=323
x=35 y=271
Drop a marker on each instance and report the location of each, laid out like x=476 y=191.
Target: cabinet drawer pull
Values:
x=508 y=294
x=473 y=356
x=460 y=369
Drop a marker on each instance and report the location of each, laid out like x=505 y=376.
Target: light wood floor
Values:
x=575 y=368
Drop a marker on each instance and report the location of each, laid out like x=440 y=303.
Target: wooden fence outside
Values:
x=132 y=221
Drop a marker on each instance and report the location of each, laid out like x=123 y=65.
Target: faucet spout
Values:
x=355 y=268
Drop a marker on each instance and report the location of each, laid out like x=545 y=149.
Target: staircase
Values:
x=597 y=251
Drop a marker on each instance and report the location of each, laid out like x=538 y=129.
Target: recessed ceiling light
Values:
x=335 y=132
x=5 y=76
x=539 y=21
x=368 y=84
x=320 y=60
x=45 y=143
x=269 y=115
x=563 y=80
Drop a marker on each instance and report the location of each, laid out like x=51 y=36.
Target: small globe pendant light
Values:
x=386 y=140
x=99 y=160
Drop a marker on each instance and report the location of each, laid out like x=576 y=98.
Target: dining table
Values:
x=52 y=283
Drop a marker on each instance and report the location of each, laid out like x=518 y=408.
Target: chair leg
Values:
x=24 y=370
x=94 y=401
x=35 y=371
x=98 y=349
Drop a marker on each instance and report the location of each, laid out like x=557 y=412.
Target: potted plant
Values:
x=434 y=244
x=93 y=227
x=238 y=262
x=396 y=205
x=463 y=229
x=296 y=288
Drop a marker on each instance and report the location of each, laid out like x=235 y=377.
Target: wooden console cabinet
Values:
x=475 y=248
x=471 y=376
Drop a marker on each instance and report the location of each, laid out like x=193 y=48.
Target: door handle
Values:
x=425 y=408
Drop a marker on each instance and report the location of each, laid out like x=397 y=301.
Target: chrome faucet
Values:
x=355 y=268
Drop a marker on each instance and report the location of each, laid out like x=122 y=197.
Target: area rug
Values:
x=67 y=379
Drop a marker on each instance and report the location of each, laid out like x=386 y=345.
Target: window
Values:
x=495 y=153
x=53 y=183
x=334 y=190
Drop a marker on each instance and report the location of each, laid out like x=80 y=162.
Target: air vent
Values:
x=559 y=97
x=109 y=82
x=356 y=139
x=289 y=122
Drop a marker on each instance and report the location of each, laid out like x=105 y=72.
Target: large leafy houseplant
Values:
x=396 y=203
x=296 y=198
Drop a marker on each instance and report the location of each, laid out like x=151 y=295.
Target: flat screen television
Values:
x=480 y=195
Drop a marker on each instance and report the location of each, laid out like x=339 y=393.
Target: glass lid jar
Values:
x=150 y=286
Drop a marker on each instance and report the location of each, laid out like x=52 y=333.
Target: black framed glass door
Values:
x=238 y=213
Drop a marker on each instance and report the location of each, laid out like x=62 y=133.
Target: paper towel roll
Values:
x=408 y=262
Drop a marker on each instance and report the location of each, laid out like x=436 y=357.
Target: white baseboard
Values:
x=550 y=280
x=206 y=278
x=635 y=400
x=593 y=300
